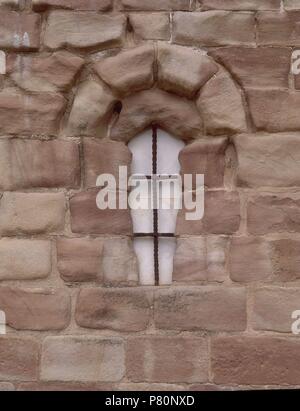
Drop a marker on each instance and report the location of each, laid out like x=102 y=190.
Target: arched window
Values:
x=156 y=168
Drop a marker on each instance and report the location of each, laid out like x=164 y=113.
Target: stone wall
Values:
x=79 y=79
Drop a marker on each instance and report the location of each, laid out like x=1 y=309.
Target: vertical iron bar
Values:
x=155 y=208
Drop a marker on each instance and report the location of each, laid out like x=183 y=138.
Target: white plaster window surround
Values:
x=168 y=148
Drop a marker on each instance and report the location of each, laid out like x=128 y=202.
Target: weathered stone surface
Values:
x=268 y=160
x=91 y=110
x=150 y=26
x=241 y=5
x=66 y=386
x=150 y=387
x=274 y=110
x=51 y=73
x=252 y=66
x=84 y=30
x=200 y=259
x=87 y=218
x=191 y=363
x=30 y=114
x=31 y=213
x=6 y=386
x=175 y=75
x=256 y=360
x=214 y=28
x=291 y=4
x=156 y=4
x=35 y=309
x=191 y=309
x=19 y=31
x=9 y=4
x=286 y=255
x=119 y=262
x=82 y=359
x=221 y=215
x=128 y=71
x=79 y=259
x=174 y=114
x=250 y=259
x=278 y=29
x=24 y=259
x=18 y=359
x=271 y=214
x=97 y=5
x=104 y=157
x=273 y=308
x=205 y=156
x=221 y=105
x=114 y=309
x=31 y=164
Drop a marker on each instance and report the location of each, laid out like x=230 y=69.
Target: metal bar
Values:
x=155 y=210
x=167 y=235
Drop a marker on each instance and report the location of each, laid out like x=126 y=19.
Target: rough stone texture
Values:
x=113 y=309
x=291 y=4
x=6 y=386
x=250 y=260
x=221 y=215
x=82 y=359
x=286 y=254
x=32 y=213
x=280 y=29
x=92 y=107
x=274 y=110
x=18 y=359
x=221 y=106
x=255 y=360
x=175 y=76
x=104 y=157
x=273 y=308
x=66 y=386
x=151 y=359
x=32 y=164
x=274 y=214
x=174 y=114
x=119 y=262
x=200 y=259
x=129 y=71
x=252 y=66
x=156 y=4
x=214 y=28
x=97 y=5
x=268 y=160
x=49 y=74
x=24 y=259
x=79 y=259
x=35 y=309
x=19 y=31
x=87 y=218
x=241 y=5
x=9 y=4
x=83 y=30
x=191 y=309
x=30 y=114
x=150 y=26
x=205 y=156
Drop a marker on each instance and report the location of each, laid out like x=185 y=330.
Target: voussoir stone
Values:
x=268 y=160
x=84 y=30
x=221 y=105
x=175 y=114
x=30 y=114
x=33 y=163
x=156 y=4
x=96 y=5
x=79 y=259
x=82 y=359
x=24 y=259
x=114 y=309
x=35 y=309
x=175 y=75
x=91 y=110
x=129 y=71
x=51 y=73
x=31 y=213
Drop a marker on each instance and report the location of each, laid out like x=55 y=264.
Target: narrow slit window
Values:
x=156 y=166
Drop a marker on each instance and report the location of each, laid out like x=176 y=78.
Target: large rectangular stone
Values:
x=241 y=4
x=278 y=29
